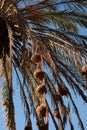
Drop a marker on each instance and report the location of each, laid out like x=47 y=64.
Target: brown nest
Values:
x=39 y=74
x=56 y=113
x=41 y=89
x=57 y=97
x=64 y=91
x=43 y=127
x=84 y=70
x=28 y=127
x=41 y=110
x=36 y=58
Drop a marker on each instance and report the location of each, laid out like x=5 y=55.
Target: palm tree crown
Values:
x=40 y=41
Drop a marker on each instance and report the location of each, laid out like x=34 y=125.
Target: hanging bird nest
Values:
x=39 y=74
x=56 y=113
x=36 y=58
x=41 y=89
x=84 y=70
x=41 y=110
x=43 y=127
x=28 y=127
x=57 y=97
x=64 y=91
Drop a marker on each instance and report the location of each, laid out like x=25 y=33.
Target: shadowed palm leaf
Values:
x=38 y=38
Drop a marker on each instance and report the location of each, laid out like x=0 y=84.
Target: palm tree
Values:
x=39 y=39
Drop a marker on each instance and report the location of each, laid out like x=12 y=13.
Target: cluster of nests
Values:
x=4 y=38
x=41 y=89
x=38 y=74
x=63 y=91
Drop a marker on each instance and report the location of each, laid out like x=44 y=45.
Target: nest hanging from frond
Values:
x=64 y=91
x=39 y=74
x=43 y=127
x=41 y=110
x=41 y=89
x=36 y=58
x=28 y=127
x=56 y=113
x=57 y=97
x=84 y=70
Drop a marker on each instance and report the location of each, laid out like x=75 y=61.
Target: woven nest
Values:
x=41 y=110
x=43 y=127
x=39 y=74
x=36 y=58
x=28 y=127
x=63 y=91
x=84 y=70
x=41 y=89
x=57 y=97
x=56 y=113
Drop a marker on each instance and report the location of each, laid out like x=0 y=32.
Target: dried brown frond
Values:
x=56 y=113
x=64 y=111
x=47 y=56
x=5 y=104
